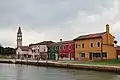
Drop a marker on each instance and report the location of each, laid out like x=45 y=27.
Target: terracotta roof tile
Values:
x=89 y=36
x=66 y=42
x=43 y=43
x=24 y=48
x=117 y=48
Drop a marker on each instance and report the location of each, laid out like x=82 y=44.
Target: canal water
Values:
x=24 y=72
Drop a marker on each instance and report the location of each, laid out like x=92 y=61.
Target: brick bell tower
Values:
x=19 y=37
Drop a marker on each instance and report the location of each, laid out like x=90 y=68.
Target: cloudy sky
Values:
x=54 y=19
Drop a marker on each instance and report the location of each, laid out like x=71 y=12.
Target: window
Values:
x=69 y=47
x=104 y=54
x=20 y=37
x=96 y=55
x=82 y=54
x=56 y=47
x=34 y=50
x=91 y=45
x=44 y=49
x=98 y=44
x=60 y=47
x=76 y=45
x=83 y=45
x=64 y=47
x=18 y=52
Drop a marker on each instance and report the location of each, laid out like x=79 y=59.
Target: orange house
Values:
x=96 y=46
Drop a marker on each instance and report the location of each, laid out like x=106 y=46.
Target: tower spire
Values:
x=19 y=30
x=19 y=37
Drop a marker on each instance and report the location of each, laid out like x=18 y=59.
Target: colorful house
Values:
x=53 y=51
x=118 y=52
x=96 y=46
x=40 y=50
x=66 y=50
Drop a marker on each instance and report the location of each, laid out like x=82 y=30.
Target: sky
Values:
x=56 y=19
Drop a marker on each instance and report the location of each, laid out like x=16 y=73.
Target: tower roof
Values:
x=19 y=30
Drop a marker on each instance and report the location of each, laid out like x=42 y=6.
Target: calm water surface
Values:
x=23 y=72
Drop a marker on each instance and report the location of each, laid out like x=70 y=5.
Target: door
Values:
x=70 y=56
x=90 y=56
x=80 y=56
x=56 y=56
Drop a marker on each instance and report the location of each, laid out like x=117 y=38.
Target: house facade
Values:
x=96 y=46
x=53 y=50
x=117 y=52
x=24 y=52
x=40 y=50
x=66 y=50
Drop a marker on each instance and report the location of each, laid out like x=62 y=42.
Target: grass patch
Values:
x=114 y=62
x=4 y=57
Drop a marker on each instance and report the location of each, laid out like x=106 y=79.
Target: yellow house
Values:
x=96 y=46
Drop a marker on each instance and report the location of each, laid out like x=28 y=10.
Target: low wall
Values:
x=6 y=61
x=115 y=69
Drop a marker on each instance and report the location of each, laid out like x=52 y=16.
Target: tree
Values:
x=0 y=46
x=115 y=42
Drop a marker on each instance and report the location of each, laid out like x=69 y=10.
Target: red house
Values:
x=66 y=50
x=118 y=52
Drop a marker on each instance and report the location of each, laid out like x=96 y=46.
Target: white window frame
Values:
x=56 y=47
x=90 y=44
x=64 y=47
x=97 y=44
x=69 y=47
x=60 y=47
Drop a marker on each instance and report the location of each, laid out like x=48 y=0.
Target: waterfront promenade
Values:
x=63 y=64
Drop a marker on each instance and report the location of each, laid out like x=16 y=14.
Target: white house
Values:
x=24 y=52
x=40 y=49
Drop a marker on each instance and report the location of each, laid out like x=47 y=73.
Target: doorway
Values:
x=56 y=56
x=90 y=56
x=70 y=56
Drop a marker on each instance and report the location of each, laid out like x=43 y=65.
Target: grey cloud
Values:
x=46 y=12
x=47 y=16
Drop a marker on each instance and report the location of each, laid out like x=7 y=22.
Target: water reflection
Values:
x=23 y=72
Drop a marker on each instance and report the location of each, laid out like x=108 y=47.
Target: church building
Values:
x=35 y=51
x=22 y=52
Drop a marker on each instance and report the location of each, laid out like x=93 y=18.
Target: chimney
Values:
x=60 y=40
x=107 y=28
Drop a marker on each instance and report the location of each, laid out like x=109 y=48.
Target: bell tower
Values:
x=19 y=37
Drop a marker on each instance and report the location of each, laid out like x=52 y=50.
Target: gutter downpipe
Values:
x=101 y=48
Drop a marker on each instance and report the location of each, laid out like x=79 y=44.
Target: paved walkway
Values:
x=57 y=62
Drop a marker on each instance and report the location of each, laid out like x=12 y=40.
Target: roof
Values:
x=19 y=31
x=66 y=42
x=90 y=36
x=117 y=48
x=61 y=42
x=24 y=48
x=43 y=43
x=53 y=44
